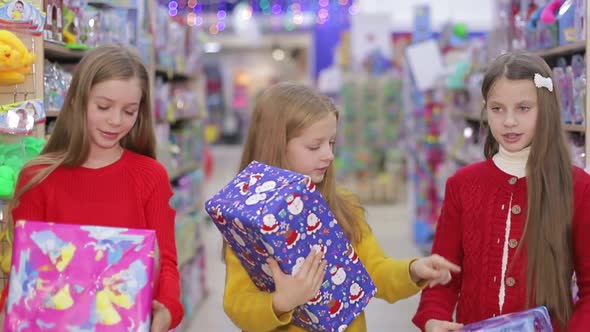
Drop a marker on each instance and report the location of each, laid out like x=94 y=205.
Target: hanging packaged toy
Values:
x=15 y=59
x=579 y=88
x=20 y=117
x=22 y=15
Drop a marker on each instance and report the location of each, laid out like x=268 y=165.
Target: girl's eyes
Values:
x=314 y=148
x=525 y=108
x=103 y=108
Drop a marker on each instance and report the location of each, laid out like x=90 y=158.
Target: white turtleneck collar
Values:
x=513 y=163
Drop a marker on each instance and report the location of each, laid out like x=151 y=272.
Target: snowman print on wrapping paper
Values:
x=313 y=223
x=269 y=224
x=356 y=293
x=342 y=328
x=267 y=186
x=338 y=275
x=295 y=204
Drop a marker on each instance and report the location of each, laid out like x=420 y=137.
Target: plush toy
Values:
x=15 y=60
x=549 y=14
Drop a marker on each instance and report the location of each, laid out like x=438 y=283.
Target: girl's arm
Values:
x=248 y=307
x=160 y=217
x=581 y=237
x=391 y=276
x=439 y=302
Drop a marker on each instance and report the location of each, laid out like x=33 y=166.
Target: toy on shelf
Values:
x=12 y=159
x=20 y=117
x=56 y=82
x=22 y=16
x=54 y=21
x=15 y=60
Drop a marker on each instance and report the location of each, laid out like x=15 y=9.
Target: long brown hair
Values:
x=69 y=143
x=282 y=111
x=549 y=188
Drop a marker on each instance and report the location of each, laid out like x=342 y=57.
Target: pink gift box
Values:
x=80 y=278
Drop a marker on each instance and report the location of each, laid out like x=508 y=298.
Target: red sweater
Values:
x=471 y=232
x=133 y=192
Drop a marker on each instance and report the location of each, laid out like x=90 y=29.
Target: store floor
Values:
x=389 y=223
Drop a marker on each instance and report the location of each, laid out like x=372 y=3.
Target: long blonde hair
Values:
x=549 y=189
x=69 y=143
x=282 y=111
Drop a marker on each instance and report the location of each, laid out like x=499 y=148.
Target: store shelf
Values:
x=174 y=174
x=173 y=75
x=573 y=128
x=58 y=52
x=577 y=47
x=52 y=113
x=103 y=4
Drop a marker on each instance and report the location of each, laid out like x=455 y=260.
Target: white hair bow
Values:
x=543 y=82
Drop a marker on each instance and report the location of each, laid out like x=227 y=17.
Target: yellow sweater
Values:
x=251 y=309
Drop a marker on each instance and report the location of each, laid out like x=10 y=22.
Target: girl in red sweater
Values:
x=518 y=223
x=99 y=166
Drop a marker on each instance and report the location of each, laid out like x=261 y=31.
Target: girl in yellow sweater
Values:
x=294 y=128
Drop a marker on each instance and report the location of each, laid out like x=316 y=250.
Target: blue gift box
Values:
x=267 y=211
x=533 y=320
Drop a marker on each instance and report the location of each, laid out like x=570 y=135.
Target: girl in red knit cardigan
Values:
x=517 y=223
x=99 y=167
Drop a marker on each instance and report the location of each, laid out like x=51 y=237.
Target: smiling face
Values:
x=512 y=110
x=312 y=151
x=112 y=112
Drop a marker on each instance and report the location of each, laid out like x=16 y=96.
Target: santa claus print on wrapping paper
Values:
x=356 y=293
x=238 y=225
x=295 y=204
x=313 y=223
x=334 y=307
x=218 y=216
x=248 y=259
x=245 y=186
x=269 y=224
x=237 y=238
x=260 y=250
x=351 y=254
x=316 y=299
x=291 y=237
x=309 y=184
x=338 y=275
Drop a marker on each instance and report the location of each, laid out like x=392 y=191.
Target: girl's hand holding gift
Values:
x=435 y=270
x=294 y=290
x=435 y=325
